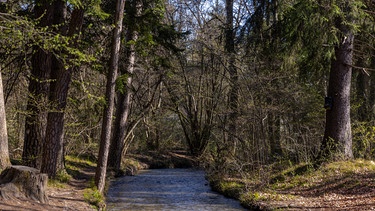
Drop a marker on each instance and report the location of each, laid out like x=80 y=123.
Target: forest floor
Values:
x=346 y=185
x=68 y=195
x=76 y=194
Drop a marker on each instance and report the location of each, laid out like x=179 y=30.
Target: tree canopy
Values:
x=240 y=85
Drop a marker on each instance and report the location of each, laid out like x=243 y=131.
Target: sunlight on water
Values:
x=167 y=189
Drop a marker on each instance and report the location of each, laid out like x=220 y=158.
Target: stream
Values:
x=167 y=189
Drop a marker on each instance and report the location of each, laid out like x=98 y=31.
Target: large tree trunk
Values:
x=4 y=153
x=105 y=138
x=36 y=119
x=124 y=100
x=337 y=141
x=53 y=146
x=37 y=115
x=54 y=130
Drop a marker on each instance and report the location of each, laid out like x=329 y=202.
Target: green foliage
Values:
x=121 y=83
x=363 y=140
x=351 y=167
x=18 y=33
x=63 y=176
x=293 y=171
x=311 y=29
x=232 y=189
x=56 y=183
x=94 y=9
x=336 y=176
x=152 y=30
x=84 y=111
x=80 y=161
x=94 y=197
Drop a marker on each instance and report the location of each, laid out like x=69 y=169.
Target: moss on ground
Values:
x=296 y=183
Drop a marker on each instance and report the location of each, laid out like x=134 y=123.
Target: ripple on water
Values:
x=167 y=189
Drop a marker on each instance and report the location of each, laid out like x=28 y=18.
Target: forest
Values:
x=248 y=89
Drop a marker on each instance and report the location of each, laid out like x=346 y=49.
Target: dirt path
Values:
x=68 y=198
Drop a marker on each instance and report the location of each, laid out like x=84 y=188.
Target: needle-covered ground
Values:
x=348 y=185
x=69 y=192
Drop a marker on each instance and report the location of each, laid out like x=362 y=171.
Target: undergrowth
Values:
x=94 y=197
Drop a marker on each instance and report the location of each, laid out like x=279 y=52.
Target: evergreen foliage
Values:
x=181 y=89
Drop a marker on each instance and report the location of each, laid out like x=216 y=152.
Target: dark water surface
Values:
x=167 y=189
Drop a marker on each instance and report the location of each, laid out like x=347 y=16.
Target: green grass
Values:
x=94 y=197
x=60 y=180
x=308 y=177
x=75 y=166
x=56 y=183
x=285 y=184
x=76 y=162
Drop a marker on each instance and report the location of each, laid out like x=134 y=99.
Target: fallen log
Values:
x=22 y=182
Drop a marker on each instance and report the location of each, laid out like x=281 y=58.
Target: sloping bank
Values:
x=346 y=185
x=232 y=188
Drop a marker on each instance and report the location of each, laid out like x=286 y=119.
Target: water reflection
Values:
x=167 y=189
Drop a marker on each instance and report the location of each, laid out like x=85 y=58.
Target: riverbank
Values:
x=71 y=191
x=346 y=185
x=74 y=189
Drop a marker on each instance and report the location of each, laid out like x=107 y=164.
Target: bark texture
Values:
x=337 y=139
x=53 y=146
x=23 y=182
x=4 y=153
x=36 y=119
x=105 y=138
x=124 y=100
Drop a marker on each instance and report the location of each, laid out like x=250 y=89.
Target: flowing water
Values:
x=167 y=189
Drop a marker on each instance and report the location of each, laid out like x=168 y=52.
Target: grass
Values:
x=56 y=183
x=299 y=182
x=76 y=163
x=77 y=167
x=94 y=197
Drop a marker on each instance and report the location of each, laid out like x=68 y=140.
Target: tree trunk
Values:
x=124 y=101
x=53 y=159
x=105 y=138
x=274 y=136
x=36 y=119
x=120 y=129
x=4 y=153
x=37 y=116
x=54 y=130
x=337 y=141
